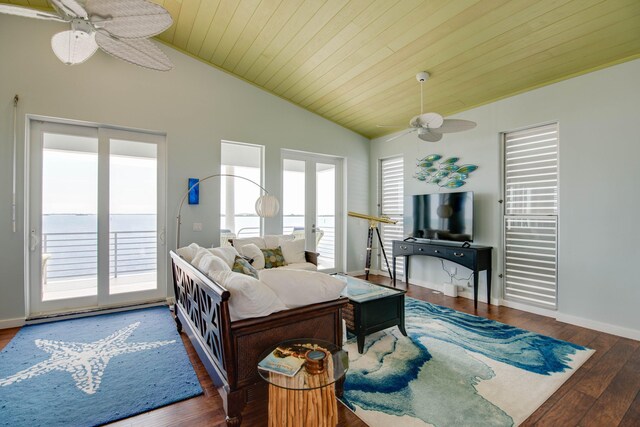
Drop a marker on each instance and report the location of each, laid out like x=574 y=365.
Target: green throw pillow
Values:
x=273 y=258
x=241 y=265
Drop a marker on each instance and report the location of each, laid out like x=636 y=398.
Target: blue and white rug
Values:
x=455 y=369
x=93 y=370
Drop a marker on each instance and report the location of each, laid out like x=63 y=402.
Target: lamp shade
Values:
x=267 y=206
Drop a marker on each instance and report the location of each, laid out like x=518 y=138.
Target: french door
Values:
x=312 y=204
x=96 y=233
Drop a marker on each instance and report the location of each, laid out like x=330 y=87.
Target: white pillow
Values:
x=293 y=251
x=254 y=252
x=227 y=253
x=297 y=288
x=208 y=263
x=249 y=297
x=272 y=241
x=202 y=252
x=188 y=252
x=258 y=241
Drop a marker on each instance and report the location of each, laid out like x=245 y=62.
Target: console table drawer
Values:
x=402 y=249
x=461 y=256
x=426 y=250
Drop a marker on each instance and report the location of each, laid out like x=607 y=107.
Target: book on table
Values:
x=286 y=360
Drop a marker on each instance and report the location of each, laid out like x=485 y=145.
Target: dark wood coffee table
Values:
x=371 y=308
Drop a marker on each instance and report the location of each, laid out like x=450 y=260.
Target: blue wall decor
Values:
x=194 y=191
x=433 y=169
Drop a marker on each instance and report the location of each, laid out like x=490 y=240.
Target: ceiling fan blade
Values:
x=73 y=46
x=29 y=13
x=129 y=19
x=140 y=52
x=427 y=120
x=455 y=125
x=70 y=8
x=429 y=135
x=400 y=135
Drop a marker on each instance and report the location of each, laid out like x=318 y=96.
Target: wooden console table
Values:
x=477 y=258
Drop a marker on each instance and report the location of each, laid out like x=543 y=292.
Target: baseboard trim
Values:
x=92 y=312
x=12 y=323
x=465 y=293
x=531 y=309
x=599 y=326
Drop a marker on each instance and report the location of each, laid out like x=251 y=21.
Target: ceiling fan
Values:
x=431 y=126
x=119 y=27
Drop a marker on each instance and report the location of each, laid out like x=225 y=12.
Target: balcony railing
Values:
x=75 y=255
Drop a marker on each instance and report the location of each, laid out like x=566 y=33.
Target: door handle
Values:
x=33 y=238
x=162 y=236
x=313 y=228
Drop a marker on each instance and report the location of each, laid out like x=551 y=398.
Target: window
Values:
x=238 y=196
x=531 y=215
x=391 y=203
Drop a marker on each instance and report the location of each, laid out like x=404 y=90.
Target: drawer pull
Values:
x=458 y=254
x=420 y=249
x=403 y=247
x=437 y=251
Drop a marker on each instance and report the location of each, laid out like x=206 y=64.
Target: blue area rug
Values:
x=94 y=370
x=455 y=369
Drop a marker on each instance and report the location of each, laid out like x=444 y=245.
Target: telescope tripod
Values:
x=367 y=266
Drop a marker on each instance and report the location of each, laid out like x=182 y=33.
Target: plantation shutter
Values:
x=392 y=205
x=531 y=215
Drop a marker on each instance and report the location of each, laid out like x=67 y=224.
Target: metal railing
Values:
x=75 y=255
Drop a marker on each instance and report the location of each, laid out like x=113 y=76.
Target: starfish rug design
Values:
x=94 y=370
x=85 y=362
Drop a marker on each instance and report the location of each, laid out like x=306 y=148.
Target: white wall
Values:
x=598 y=116
x=195 y=105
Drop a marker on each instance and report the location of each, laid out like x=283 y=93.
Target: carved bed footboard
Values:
x=230 y=350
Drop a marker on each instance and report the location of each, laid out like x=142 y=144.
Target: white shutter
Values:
x=392 y=205
x=530 y=215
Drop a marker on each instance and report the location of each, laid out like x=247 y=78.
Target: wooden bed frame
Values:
x=230 y=350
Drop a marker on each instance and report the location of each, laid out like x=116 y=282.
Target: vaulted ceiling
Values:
x=354 y=61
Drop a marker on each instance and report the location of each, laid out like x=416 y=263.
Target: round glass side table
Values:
x=307 y=398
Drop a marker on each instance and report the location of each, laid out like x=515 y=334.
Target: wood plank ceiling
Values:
x=354 y=61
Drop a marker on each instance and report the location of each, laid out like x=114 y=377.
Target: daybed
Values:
x=230 y=349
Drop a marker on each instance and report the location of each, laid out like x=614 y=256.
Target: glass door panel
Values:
x=325 y=224
x=293 y=198
x=96 y=218
x=69 y=249
x=133 y=219
x=312 y=205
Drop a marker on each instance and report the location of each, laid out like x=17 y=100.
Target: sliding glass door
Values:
x=312 y=204
x=96 y=217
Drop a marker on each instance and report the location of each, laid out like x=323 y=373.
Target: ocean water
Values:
x=80 y=223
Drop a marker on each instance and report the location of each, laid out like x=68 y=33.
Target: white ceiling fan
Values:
x=431 y=126
x=119 y=27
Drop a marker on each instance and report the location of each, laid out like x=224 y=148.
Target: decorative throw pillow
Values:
x=273 y=258
x=241 y=265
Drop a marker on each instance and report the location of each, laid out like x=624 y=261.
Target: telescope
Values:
x=373 y=225
x=372 y=219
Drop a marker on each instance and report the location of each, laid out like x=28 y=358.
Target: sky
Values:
x=70 y=182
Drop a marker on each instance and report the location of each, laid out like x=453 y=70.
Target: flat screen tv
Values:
x=443 y=216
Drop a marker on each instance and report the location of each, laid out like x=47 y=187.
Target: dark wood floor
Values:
x=605 y=391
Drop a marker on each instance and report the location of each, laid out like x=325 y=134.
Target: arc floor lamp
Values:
x=267 y=206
